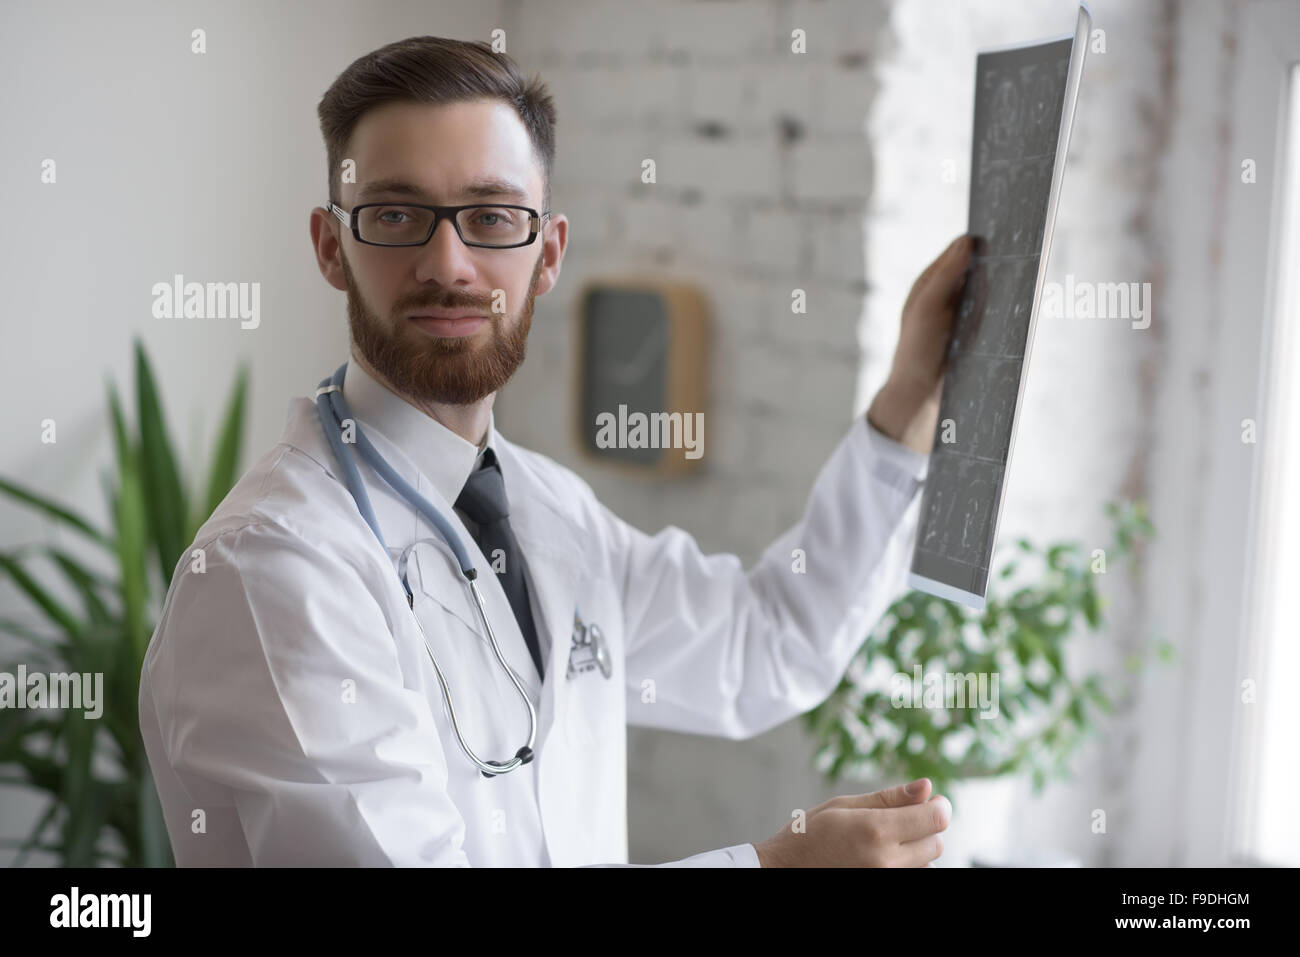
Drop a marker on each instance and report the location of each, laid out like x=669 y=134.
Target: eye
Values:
x=391 y=212
x=494 y=217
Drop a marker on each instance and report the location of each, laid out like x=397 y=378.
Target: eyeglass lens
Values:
x=493 y=225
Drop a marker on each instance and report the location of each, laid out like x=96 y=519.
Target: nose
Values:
x=444 y=259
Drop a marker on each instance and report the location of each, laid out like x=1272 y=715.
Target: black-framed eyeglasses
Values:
x=491 y=226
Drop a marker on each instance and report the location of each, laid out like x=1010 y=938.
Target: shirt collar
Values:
x=444 y=457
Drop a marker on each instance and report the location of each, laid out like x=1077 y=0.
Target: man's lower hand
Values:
x=888 y=828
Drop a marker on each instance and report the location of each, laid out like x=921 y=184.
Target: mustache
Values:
x=445 y=302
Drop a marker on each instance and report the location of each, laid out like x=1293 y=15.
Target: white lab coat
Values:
x=291 y=714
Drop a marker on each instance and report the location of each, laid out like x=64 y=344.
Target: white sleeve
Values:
x=733 y=653
x=741 y=855
x=282 y=684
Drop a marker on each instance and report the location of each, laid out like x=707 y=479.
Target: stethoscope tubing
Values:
x=333 y=411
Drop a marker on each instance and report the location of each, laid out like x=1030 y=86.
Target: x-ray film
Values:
x=1024 y=105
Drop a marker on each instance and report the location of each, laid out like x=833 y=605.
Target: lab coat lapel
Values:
x=549 y=532
x=555 y=562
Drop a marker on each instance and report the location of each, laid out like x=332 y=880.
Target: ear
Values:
x=325 y=231
x=555 y=237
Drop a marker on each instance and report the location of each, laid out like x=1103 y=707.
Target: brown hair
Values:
x=434 y=70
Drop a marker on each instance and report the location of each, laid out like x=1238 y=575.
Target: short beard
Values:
x=426 y=369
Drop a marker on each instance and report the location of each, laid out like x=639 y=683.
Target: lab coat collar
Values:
x=444 y=457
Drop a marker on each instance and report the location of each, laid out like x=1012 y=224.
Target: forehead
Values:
x=443 y=153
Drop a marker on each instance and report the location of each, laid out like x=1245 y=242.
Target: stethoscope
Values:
x=334 y=411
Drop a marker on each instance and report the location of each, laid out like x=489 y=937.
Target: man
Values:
x=298 y=694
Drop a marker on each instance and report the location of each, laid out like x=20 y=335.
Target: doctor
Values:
x=338 y=611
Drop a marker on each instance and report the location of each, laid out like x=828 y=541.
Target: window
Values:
x=1269 y=827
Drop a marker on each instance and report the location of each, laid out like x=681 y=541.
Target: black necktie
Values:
x=483 y=499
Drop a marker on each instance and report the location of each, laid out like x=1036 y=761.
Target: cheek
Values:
x=379 y=282
x=508 y=295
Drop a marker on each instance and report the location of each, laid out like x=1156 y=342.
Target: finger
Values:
x=921 y=853
x=953 y=249
x=940 y=283
x=955 y=256
x=936 y=264
x=897 y=796
x=917 y=821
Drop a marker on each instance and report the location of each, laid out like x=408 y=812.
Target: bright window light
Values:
x=1272 y=826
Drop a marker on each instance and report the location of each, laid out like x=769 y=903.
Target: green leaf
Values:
x=80 y=829
x=1052 y=652
x=86 y=582
x=133 y=543
x=160 y=478
x=1057 y=552
x=1025 y=644
x=42 y=643
x=122 y=446
x=65 y=515
x=155 y=846
x=1043 y=691
x=54 y=609
x=1028 y=644
x=33 y=841
x=225 y=457
x=1091 y=611
x=1099 y=697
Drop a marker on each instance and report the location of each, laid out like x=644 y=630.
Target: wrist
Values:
x=907 y=413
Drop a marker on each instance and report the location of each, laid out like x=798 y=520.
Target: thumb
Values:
x=949 y=275
x=897 y=796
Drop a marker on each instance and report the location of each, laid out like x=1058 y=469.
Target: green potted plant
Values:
x=915 y=700
x=103 y=808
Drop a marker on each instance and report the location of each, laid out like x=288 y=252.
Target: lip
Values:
x=449 y=324
x=445 y=314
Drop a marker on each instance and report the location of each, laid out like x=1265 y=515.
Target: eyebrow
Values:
x=486 y=188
